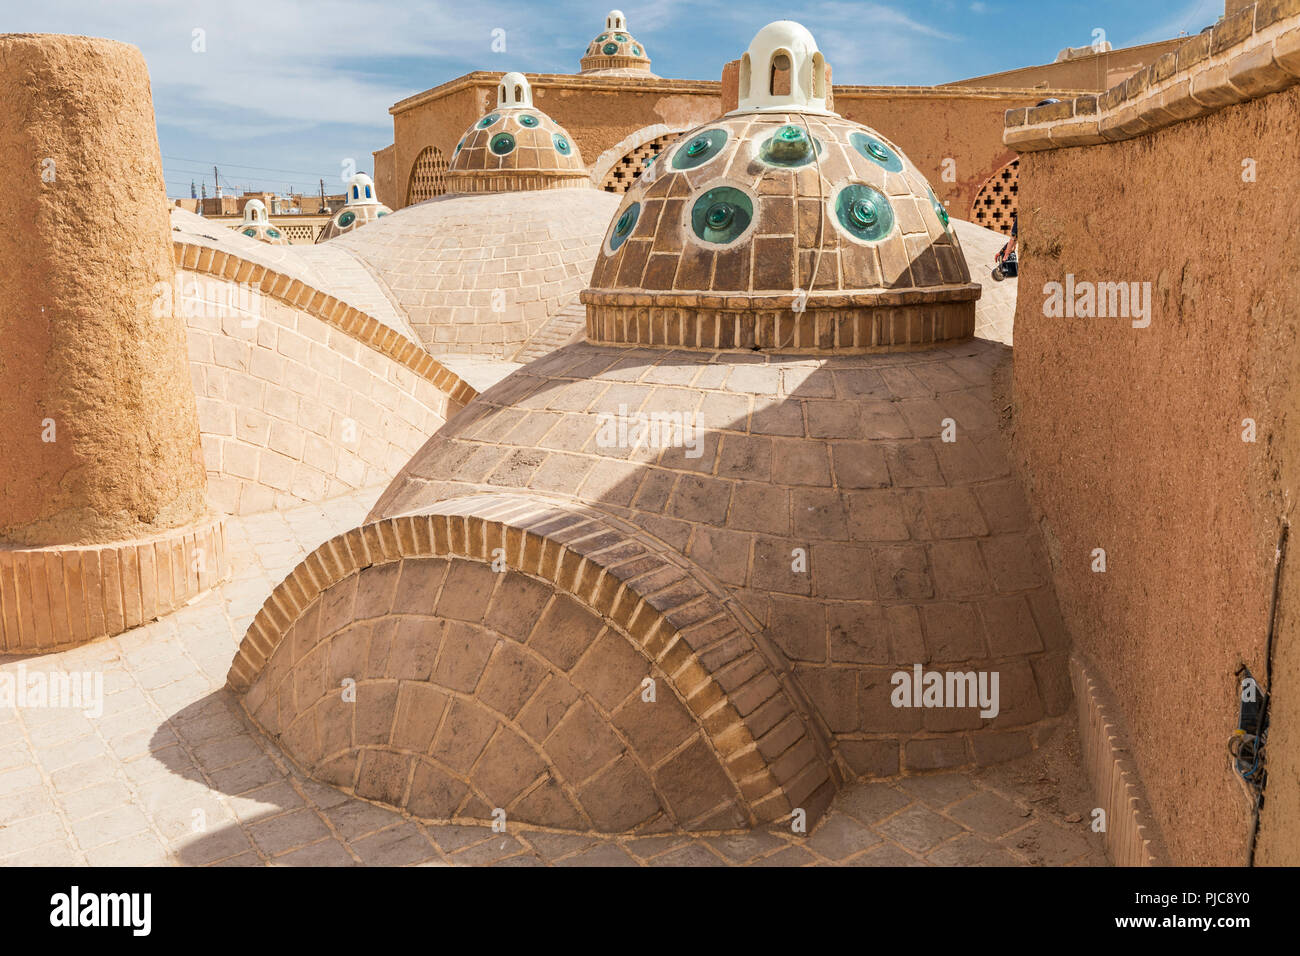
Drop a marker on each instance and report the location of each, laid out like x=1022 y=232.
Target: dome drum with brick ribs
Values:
x=615 y=50
x=515 y=147
x=781 y=226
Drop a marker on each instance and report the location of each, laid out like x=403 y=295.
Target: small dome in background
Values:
x=781 y=226
x=362 y=206
x=615 y=50
x=361 y=191
x=257 y=225
x=515 y=147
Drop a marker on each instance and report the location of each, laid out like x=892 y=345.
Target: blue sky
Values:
x=286 y=92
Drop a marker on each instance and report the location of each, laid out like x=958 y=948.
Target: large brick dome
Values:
x=670 y=576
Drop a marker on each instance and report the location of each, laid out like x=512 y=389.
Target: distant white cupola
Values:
x=783 y=71
x=616 y=20
x=361 y=191
x=255 y=212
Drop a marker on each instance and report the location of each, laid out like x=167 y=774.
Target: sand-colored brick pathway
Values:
x=171 y=773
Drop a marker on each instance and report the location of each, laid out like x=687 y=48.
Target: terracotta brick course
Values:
x=501 y=680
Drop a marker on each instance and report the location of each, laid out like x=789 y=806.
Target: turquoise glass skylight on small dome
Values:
x=722 y=214
x=347 y=218
x=940 y=211
x=864 y=212
x=250 y=232
x=790 y=146
x=876 y=151
x=624 y=225
x=488 y=120
x=699 y=149
x=529 y=120
x=562 y=145
x=273 y=232
x=502 y=143
x=609 y=49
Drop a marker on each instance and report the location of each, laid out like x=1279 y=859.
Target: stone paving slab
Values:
x=172 y=773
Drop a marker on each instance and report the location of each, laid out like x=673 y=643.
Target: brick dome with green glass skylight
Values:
x=781 y=225
x=515 y=147
x=614 y=50
x=361 y=206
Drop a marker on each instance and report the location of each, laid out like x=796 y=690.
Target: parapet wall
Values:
x=1155 y=429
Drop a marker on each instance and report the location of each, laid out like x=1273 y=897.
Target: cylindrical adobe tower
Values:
x=100 y=421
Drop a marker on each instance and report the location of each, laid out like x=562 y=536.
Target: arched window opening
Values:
x=779 y=84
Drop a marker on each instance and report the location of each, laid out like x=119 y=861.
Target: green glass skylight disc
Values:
x=699 y=149
x=864 y=212
x=722 y=215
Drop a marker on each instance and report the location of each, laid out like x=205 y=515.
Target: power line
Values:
x=269 y=169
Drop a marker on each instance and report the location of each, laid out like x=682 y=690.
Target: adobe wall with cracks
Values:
x=1132 y=438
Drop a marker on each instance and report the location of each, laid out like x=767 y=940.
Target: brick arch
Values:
x=998 y=200
x=742 y=746
x=428 y=176
x=621 y=166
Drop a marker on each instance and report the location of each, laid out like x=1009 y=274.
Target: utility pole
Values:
x=322 y=196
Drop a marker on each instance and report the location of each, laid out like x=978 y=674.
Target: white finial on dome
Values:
x=513 y=92
x=361 y=191
x=783 y=71
x=255 y=211
x=616 y=20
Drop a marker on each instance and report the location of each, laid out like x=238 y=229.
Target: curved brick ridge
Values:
x=66 y=595
x=292 y=291
x=588 y=608
x=323 y=266
x=918 y=550
x=291 y=409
